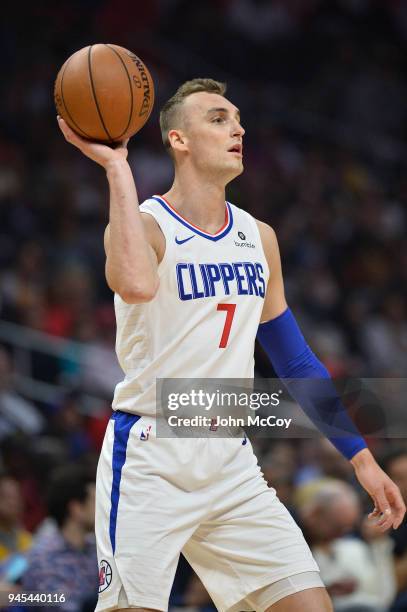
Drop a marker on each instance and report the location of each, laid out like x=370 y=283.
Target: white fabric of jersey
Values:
x=174 y=338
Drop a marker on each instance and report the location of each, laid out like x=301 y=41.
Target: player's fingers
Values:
x=386 y=520
x=374 y=513
x=69 y=134
x=63 y=126
x=382 y=504
x=65 y=129
x=399 y=507
x=398 y=520
x=122 y=144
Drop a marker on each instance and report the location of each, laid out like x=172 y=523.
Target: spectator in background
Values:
x=384 y=337
x=395 y=463
x=14 y=539
x=23 y=463
x=101 y=371
x=358 y=575
x=22 y=286
x=64 y=561
x=16 y=414
x=279 y=466
x=321 y=459
x=68 y=425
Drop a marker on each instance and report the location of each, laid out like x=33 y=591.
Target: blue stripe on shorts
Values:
x=123 y=422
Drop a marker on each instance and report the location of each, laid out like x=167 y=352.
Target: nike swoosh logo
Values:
x=178 y=241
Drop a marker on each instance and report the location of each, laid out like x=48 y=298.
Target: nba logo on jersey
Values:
x=144 y=435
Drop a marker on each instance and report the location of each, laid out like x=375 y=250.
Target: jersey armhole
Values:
x=256 y=228
x=162 y=266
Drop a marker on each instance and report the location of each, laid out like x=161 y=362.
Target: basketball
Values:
x=104 y=93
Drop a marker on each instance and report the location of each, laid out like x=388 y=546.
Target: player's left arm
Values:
x=293 y=359
x=274 y=301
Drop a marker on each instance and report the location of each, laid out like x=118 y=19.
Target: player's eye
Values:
x=218 y=120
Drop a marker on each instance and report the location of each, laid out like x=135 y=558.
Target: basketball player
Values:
x=189 y=297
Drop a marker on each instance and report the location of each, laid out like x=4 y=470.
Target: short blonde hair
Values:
x=169 y=115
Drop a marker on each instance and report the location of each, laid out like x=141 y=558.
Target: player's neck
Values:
x=202 y=203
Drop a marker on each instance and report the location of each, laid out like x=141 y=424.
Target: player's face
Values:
x=213 y=135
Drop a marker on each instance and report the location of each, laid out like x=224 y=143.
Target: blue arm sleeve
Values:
x=293 y=359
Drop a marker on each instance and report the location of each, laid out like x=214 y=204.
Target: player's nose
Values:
x=238 y=129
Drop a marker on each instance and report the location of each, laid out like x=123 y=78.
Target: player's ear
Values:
x=177 y=140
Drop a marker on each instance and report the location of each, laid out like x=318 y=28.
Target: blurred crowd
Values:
x=321 y=88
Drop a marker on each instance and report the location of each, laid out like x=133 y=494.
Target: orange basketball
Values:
x=104 y=92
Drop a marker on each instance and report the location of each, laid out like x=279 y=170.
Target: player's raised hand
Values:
x=389 y=507
x=100 y=153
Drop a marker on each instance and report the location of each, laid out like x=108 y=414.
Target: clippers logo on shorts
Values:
x=197 y=281
x=105 y=575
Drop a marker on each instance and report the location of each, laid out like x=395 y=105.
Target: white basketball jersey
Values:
x=203 y=321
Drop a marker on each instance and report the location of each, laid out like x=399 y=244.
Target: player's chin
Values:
x=236 y=169
x=239 y=170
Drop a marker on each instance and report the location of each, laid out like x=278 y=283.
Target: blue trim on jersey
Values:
x=194 y=229
x=123 y=422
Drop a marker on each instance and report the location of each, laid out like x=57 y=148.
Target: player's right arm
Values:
x=133 y=242
x=130 y=245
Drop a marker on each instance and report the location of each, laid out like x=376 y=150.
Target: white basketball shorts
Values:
x=204 y=497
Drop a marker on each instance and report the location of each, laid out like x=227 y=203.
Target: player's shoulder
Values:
x=152 y=214
x=151 y=203
x=269 y=241
x=267 y=233
x=265 y=227
x=152 y=228
x=240 y=214
x=266 y=230
x=150 y=210
x=236 y=210
x=149 y=221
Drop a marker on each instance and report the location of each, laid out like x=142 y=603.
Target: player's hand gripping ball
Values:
x=104 y=93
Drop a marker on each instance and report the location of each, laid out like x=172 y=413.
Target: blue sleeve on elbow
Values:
x=308 y=382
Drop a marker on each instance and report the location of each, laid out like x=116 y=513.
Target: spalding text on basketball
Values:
x=145 y=106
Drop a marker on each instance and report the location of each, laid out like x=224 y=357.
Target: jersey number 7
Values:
x=230 y=313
